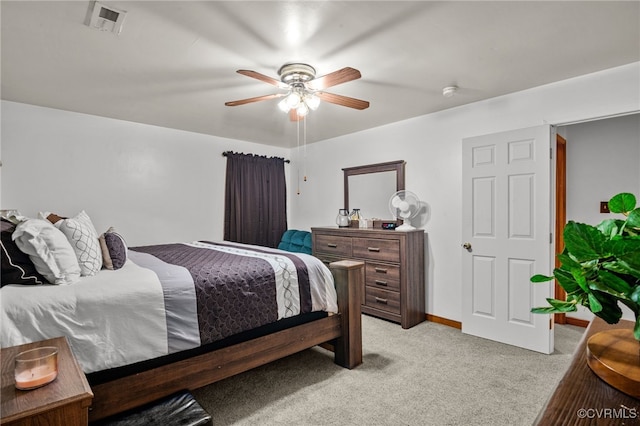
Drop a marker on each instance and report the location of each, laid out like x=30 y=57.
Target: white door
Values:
x=506 y=231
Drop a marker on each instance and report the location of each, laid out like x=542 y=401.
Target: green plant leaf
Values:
x=567 y=261
x=610 y=227
x=635 y=294
x=619 y=287
x=633 y=220
x=561 y=305
x=539 y=278
x=584 y=242
x=610 y=311
x=622 y=203
x=628 y=252
x=545 y=310
x=623 y=246
x=594 y=304
x=566 y=280
x=636 y=329
x=578 y=276
x=557 y=307
x=620 y=267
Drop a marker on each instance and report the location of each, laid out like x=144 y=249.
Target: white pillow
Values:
x=48 y=249
x=83 y=237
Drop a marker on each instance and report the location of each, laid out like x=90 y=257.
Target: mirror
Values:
x=369 y=187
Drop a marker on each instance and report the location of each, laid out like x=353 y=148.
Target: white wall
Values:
x=603 y=159
x=159 y=185
x=431 y=146
x=152 y=184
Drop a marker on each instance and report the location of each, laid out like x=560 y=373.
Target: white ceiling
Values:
x=174 y=63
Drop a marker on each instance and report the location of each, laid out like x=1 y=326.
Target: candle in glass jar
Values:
x=36 y=367
x=34 y=377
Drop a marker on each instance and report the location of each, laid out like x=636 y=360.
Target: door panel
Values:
x=506 y=220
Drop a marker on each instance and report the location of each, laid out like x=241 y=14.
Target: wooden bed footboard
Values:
x=342 y=332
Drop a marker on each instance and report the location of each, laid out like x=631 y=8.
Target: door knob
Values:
x=467 y=246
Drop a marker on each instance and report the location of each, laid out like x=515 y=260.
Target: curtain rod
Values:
x=225 y=153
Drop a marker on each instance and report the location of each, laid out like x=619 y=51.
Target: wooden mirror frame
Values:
x=392 y=166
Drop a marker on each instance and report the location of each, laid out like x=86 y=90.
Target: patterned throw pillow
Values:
x=83 y=237
x=17 y=268
x=117 y=248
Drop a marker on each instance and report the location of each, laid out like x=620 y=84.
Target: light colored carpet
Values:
x=430 y=374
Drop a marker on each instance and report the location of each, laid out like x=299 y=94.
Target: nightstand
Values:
x=65 y=401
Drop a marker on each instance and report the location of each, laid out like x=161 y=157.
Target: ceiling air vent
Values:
x=107 y=18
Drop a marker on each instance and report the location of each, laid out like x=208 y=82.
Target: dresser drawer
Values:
x=382 y=276
x=331 y=244
x=328 y=259
x=383 y=299
x=376 y=249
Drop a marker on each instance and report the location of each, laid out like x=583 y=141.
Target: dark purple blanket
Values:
x=234 y=293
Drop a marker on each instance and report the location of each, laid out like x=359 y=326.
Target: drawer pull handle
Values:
x=381 y=300
x=381 y=270
x=379 y=282
x=376 y=249
x=332 y=245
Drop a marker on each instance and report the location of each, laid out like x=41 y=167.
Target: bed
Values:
x=183 y=315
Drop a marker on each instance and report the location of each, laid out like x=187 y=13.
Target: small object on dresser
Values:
x=342 y=220
x=355 y=219
x=385 y=224
x=36 y=367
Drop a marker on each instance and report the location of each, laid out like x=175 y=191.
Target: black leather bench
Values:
x=180 y=409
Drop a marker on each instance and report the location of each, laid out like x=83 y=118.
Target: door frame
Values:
x=561 y=215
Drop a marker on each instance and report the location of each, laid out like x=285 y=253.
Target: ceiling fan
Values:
x=304 y=90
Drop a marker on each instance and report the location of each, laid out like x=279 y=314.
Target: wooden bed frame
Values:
x=341 y=333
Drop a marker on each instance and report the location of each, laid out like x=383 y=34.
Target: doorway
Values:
x=588 y=172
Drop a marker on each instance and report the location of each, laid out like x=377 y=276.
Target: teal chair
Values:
x=296 y=241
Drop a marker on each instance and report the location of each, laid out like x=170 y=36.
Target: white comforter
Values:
x=113 y=318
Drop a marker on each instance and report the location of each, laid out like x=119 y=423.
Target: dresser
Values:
x=394 y=285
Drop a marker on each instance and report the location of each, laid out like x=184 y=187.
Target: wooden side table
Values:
x=65 y=401
x=582 y=398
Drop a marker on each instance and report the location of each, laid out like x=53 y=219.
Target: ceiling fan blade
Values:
x=264 y=78
x=256 y=99
x=332 y=79
x=343 y=100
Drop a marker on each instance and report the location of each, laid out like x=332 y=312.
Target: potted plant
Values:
x=600 y=265
x=600 y=269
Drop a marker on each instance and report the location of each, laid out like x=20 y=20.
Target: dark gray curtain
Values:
x=255 y=199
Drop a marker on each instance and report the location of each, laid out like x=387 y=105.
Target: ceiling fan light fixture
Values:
x=312 y=101
x=303 y=88
x=293 y=99
x=302 y=109
x=284 y=106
